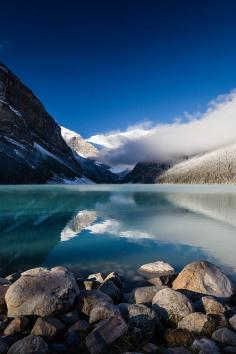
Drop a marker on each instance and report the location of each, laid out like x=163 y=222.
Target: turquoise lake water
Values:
x=105 y=228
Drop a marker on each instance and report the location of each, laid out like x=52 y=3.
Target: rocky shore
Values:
x=55 y=311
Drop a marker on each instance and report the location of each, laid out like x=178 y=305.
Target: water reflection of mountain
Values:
x=79 y=222
x=31 y=222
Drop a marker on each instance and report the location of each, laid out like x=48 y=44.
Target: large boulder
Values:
x=105 y=334
x=29 y=345
x=3 y=290
x=172 y=305
x=204 y=278
x=109 y=288
x=232 y=322
x=157 y=268
x=198 y=323
x=42 y=292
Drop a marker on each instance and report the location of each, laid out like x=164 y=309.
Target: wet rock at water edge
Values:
x=105 y=334
x=42 y=292
x=18 y=325
x=225 y=337
x=158 y=268
x=198 y=323
x=99 y=277
x=115 y=278
x=47 y=328
x=111 y=290
x=204 y=278
x=171 y=305
x=29 y=345
x=102 y=311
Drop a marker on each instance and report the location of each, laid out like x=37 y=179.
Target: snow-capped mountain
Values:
x=85 y=153
x=78 y=144
x=218 y=166
x=32 y=149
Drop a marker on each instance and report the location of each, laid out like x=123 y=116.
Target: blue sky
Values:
x=105 y=65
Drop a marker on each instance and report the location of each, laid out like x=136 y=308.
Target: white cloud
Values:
x=189 y=135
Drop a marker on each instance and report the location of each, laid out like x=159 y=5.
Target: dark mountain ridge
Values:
x=32 y=149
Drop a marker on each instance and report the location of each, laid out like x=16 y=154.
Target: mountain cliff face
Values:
x=145 y=172
x=218 y=166
x=32 y=149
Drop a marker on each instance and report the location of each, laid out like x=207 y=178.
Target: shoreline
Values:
x=54 y=311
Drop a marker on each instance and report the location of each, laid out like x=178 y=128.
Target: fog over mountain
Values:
x=187 y=136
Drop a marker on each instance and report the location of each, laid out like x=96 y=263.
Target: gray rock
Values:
x=145 y=294
x=42 y=292
x=155 y=281
x=3 y=290
x=79 y=327
x=205 y=344
x=102 y=311
x=204 y=278
x=150 y=348
x=141 y=317
x=175 y=337
x=171 y=305
x=47 y=328
x=99 y=277
x=70 y=317
x=87 y=300
x=225 y=336
x=114 y=277
x=158 y=268
x=4 y=281
x=18 y=325
x=91 y=284
x=198 y=323
x=229 y=349
x=3 y=347
x=111 y=290
x=177 y=350
x=232 y=322
x=13 y=277
x=106 y=333
x=29 y=345
x=212 y=306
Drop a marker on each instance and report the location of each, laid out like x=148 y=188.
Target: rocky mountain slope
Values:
x=85 y=153
x=145 y=172
x=218 y=166
x=78 y=144
x=32 y=149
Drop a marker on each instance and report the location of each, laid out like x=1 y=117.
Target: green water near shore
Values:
x=120 y=227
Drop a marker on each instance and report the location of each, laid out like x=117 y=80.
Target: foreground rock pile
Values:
x=54 y=311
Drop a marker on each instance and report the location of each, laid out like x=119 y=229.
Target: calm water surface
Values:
x=105 y=228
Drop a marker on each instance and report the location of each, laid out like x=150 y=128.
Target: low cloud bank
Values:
x=184 y=137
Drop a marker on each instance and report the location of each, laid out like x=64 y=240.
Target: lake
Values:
x=116 y=227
